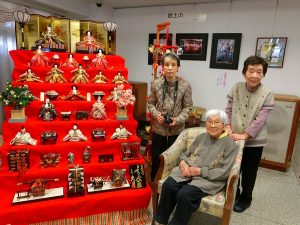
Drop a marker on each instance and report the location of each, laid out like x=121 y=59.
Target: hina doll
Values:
x=98 y=110
x=80 y=75
x=121 y=133
x=100 y=78
x=39 y=59
x=74 y=94
x=55 y=75
x=100 y=61
x=75 y=135
x=70 y=62
x=89 y=42
x=23 y=138
x=49 y=37
x=29 y=76
x=119 y=79
x=48 y=111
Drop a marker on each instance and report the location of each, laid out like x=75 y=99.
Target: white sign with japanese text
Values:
x=182 y=13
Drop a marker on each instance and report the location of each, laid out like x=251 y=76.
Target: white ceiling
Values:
x=119 y=4
x=55 y=9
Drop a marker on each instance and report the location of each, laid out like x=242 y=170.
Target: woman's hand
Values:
x=195 y=171
x=228 y=129
x=160 y=119
x=173 y=123
x=237 y=137
x=184 y=169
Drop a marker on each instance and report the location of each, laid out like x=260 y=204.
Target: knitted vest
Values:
x=245 y=108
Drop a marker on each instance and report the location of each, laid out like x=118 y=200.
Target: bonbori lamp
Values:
x=110 y=27
x=22 y=18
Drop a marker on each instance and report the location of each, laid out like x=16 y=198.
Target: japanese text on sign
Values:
x=175 y=15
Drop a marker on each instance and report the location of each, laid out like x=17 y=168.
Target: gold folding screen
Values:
x=70 y=31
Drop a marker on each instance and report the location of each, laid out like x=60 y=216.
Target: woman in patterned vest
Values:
x=170 y=102
x=248 y=107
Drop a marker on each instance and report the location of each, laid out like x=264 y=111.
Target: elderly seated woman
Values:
x=203 y=170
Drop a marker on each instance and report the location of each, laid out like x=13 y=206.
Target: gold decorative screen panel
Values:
x=67 y=33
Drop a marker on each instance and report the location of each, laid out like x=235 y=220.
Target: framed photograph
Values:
x=225 y=50
x=152 y=39
x=271 y=49
x=192 y=46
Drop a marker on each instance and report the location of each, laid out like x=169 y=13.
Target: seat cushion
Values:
x=211 y=204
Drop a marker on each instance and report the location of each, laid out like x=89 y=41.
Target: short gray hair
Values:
x=217 y=112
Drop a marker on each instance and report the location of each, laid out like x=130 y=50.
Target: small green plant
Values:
x=16 y=96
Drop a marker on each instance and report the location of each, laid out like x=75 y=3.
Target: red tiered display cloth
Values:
x=68 y=207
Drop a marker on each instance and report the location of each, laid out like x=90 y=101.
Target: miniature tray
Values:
x=107 y=186
x=49 y=193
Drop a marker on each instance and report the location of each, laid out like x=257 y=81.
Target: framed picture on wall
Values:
x=272 y=49
x=192 y=46
x=163 y=41
x=225 y=50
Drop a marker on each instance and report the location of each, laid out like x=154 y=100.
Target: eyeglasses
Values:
x=216 y=123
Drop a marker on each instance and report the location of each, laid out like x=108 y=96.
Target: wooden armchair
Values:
x=218 y=206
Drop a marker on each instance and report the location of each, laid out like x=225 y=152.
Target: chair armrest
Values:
x=169 y=158
x=155 y=183
x=232 y=184
x=230 y=197
x=160 y=171
x=167 y=161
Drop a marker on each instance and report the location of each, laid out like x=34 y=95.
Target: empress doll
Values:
x=89 y=42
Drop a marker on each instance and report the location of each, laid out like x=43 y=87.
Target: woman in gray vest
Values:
x=249 y=104
x=170 y=102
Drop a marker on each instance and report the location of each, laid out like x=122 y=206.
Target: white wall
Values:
x=73 y=9
x=83 y=9
x=251 y=18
